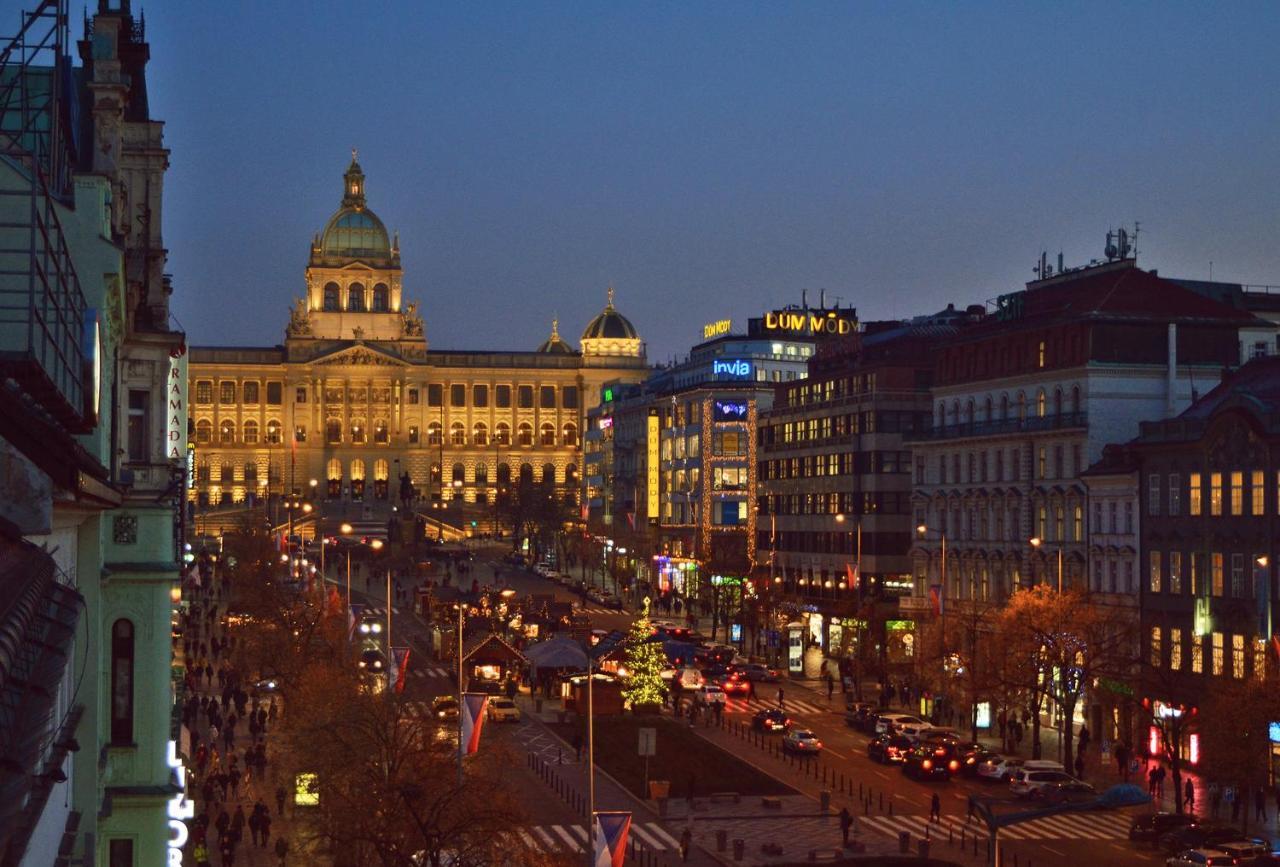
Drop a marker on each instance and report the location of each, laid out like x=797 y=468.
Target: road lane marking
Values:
x=1054 y=851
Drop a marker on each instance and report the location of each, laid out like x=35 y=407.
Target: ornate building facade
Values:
x=355 y=398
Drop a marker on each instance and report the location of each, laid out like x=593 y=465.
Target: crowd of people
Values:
x=226 y=727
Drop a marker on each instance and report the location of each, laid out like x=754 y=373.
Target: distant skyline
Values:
x=709 y=160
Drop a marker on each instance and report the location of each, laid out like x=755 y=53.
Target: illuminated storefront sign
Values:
x=606 y=422
x=984 y=715
x=795 y=647
x=175 y=397
x=737 y=367
x=191 y=466
x=653 y=466
x=306 y=790
x=608 y=395
x=715 y=329
x=179 y=809
x=808 y=322
x=729 y=411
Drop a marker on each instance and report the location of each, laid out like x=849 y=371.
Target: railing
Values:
x=1031 y=424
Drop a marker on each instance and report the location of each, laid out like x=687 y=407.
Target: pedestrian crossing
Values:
x=742 y=705
x=422 y=672
x=1061 y=826
x=573 y=838
x=598 y=609
x=375 y=611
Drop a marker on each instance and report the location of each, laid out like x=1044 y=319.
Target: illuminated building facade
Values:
x=355 y=398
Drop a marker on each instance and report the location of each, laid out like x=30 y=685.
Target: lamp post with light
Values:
x=922 y=530
x=346 y=529
x=858 y=619
x=1263 y=595
x=1037 y=542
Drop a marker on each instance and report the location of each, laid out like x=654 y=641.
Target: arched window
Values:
x=548 y=434
x=333 y=430
x=955 y=412
x=335 y=469
x=358 y=431
x=1022 y=406
x=968 y=412
x=355 y=298
x=250 y=431
x=251 y=473
x=526 y=473
x=380 y=430
x=571 y=474
x=1057 y=401
x=331 y=293
x=549 y=473
x=227 y=432
x=433 y=433
x=1004 y=407
x=570 y=434
x=480 y=434
x=381 y=298
x=502 y=433
x=504 y=474
x=202 y=471
x=526 y=434
x=986 y=410
x=357 y=470
x=204 y=431
x=381 y=472
x=457 y=434
x=1075 y=399
x=122 y=683
x=458 y=473
x=1040 y=403
x=482 y=474
x=942 y=416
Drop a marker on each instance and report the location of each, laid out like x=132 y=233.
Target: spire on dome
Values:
x=610 y=304
x=353 y=185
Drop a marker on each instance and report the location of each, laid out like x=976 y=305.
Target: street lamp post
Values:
x=315 y=489
x=461 y=689
x=923 y=532
x=1036 y=542
x=346 y=529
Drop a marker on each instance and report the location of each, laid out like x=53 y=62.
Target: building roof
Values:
x=555 y=344
x=1257 y=385
x=610 y=324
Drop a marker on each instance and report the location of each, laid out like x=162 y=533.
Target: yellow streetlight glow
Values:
x=1036 y=541
x=346 y=529
x=375 y=544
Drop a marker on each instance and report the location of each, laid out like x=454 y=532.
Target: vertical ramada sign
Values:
x=175 y=446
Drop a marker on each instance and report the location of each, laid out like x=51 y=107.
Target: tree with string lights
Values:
x=643 y=687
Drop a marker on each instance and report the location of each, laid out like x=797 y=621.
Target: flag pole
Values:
x=460 y=744
x=591 y=766
x=391 y=654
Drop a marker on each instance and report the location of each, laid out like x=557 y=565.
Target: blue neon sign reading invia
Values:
x=738 y=367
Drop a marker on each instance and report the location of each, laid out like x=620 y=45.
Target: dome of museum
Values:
x=610 y=324
x=555 y=344
x=354 y=231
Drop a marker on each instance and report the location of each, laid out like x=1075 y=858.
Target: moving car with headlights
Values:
x=801 y=741
x=968 y=753
x=929 y=763
x=734 y=683
x=709 y=694
x=770 y=720
x=757 y=672
x=372 y=661
x=444 y=707
x=1201 y=858
x=1148 y=827
x=888 y=749
x=370 y=626
x=503 y=709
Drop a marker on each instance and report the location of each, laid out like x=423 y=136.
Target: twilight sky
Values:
x=709 y=159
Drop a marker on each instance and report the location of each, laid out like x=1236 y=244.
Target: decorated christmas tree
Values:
x=643 y=687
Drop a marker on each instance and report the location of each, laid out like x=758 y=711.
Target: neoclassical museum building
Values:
x=355 y=397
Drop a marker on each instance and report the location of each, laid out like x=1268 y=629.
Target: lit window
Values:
x=1197 y=654
x=1155 y=572
x=1040 y=357
x=1175 y=571
x=1175 y=649
x=1259 y=658
x=1215 y=494
x=1237 y=493
x=1215 y=574
x=1217 y=654
x=1156 y=650
x=1257 y=490
x=1237 y=656
x=1193 y=504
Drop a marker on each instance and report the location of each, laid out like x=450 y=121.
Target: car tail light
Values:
x=927 y=764
x=955 y=766
x=893 y=751
x=817 y=745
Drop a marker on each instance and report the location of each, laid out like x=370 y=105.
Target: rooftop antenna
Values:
x=1136 y=228
x=822 y=299
x=1111 y=250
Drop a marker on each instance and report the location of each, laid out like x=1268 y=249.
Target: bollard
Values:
x=722 y=839
x=559 y=755
x=951 y=837
x=904 y=842
x=739 y=848
x=866 y=808
x=882 y=801
x=927 y=826
x=924 y=849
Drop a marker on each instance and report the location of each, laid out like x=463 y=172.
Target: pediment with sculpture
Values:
x=361 y=356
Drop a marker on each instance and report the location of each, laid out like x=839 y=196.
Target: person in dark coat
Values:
x=846 y=822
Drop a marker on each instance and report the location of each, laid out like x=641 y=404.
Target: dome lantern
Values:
x=353 y=185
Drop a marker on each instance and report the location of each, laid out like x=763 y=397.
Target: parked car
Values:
x=1244 y=851
x=801 y=741
x=929 y=763
x=1200 y=858
x=770 y=720
x=503 y=709
x=861 y=717
x=890 y=721
x=1069 y=790
x=757 y=672
x=444 y=707
x=1032 y=783
x=1149 y=826
x=1199 y=835
x=888 y=749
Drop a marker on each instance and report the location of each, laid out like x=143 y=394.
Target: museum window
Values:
x=435 y=394
x=435 y=474
x=204 y=391
x=569 y=397
x=457 y=434
x=548 y=434
x=250 y=473
x=250 y=431
x=273 y=432
x=502 y=396
x=227 y=432
x=502 y=433
x=355 y=298
x=411 y=396
x=482 y=474
x=204 y=431
x=458 y=474
x=571 y=474
x=275 y=393
x=226 y=392
x=381 y=298
x=331 y=302
x=380 y=431
x=570 y=435
x=203 y=472
x=300 y=433
x=122 y=683
x=457 y=395
x=300 y=395
x=333 y=431
x=480 y=395
x=250 y=392
x=413 y=434
x=139 y=424
x=504 y=474
x=434 y=433
x=526 y=433
x=549 y=474
x=525 y=397
x=358 y=432
x=547 y=397
x=480 y=434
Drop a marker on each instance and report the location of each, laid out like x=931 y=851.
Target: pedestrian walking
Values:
x=831 y=686
x=266 y=829
x=1151 y=783
x=935 y=809
x=1189 y=796
x=280 y=796
x=686 y=842
x=255 y=823
x=1260 y=805
x=782 y=700
x=282 y=849
x=846 y=822
x=751 y=690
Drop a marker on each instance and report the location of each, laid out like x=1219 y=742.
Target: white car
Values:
x=999 y=767
x=1032 y=783
x=1200 y=858
x=885 y=720
x=503 y=709
x=710 y=694
x=801 y=741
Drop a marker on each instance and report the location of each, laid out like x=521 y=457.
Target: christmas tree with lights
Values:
x=642 y=686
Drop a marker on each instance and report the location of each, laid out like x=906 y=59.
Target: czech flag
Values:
x=354 y=613
x=611 y=838
x=851 y=569
x=938 y=598
x=472 y=710
x=399 y=665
